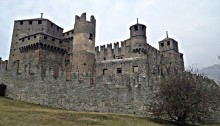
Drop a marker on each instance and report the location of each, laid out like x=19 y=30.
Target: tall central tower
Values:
x=84 y=46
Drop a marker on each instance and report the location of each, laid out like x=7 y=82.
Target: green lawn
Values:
x=17 y=113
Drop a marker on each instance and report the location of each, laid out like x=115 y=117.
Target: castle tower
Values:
x=171 y=58
x=84 y=46
x=37 y=41
x=138 y=35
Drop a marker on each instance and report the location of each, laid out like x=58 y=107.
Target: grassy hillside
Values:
x=24 y=114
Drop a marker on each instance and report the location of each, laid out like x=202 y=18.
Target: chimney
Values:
x=41 y=15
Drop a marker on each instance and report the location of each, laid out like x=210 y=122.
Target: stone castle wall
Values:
x=121 y=94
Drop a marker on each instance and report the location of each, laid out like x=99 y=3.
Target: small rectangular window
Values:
x=119 y=70
x=67 y=33
x=168 y=42
x=30 y=22
x=28 y=38
x=104 y=71
x=35 y=36
x=90 y=36
x=136 y=28
x=162 y=44
x=21 y=22
x=161 y=72
x=135 y=69
x=39 y=22
x=51 y=24
x=45 y=37
x=53 y=39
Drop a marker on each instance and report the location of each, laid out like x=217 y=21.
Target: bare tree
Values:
x=186 y=98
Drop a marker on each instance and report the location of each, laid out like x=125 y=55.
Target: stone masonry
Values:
x=66 y=70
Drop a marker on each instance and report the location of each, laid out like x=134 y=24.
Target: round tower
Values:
x=138 y=35
x=83 y=60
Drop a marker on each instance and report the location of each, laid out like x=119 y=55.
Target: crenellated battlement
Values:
x=120 y=50
x=117 y=45
x=82 y=18
x=106 y=52
x=109 y=46
x=83 y=26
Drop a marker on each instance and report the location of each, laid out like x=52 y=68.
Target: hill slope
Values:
x=213 y=72
x=24 y=114
x=17 y=113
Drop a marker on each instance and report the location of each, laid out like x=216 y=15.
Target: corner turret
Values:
x=168 y=44
x=171 y=58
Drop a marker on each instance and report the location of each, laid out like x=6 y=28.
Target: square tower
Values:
x=171 y=58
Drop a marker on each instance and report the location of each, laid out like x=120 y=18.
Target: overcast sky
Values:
x=195 y=24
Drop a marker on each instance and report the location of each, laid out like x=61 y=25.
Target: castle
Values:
x=65 y=70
